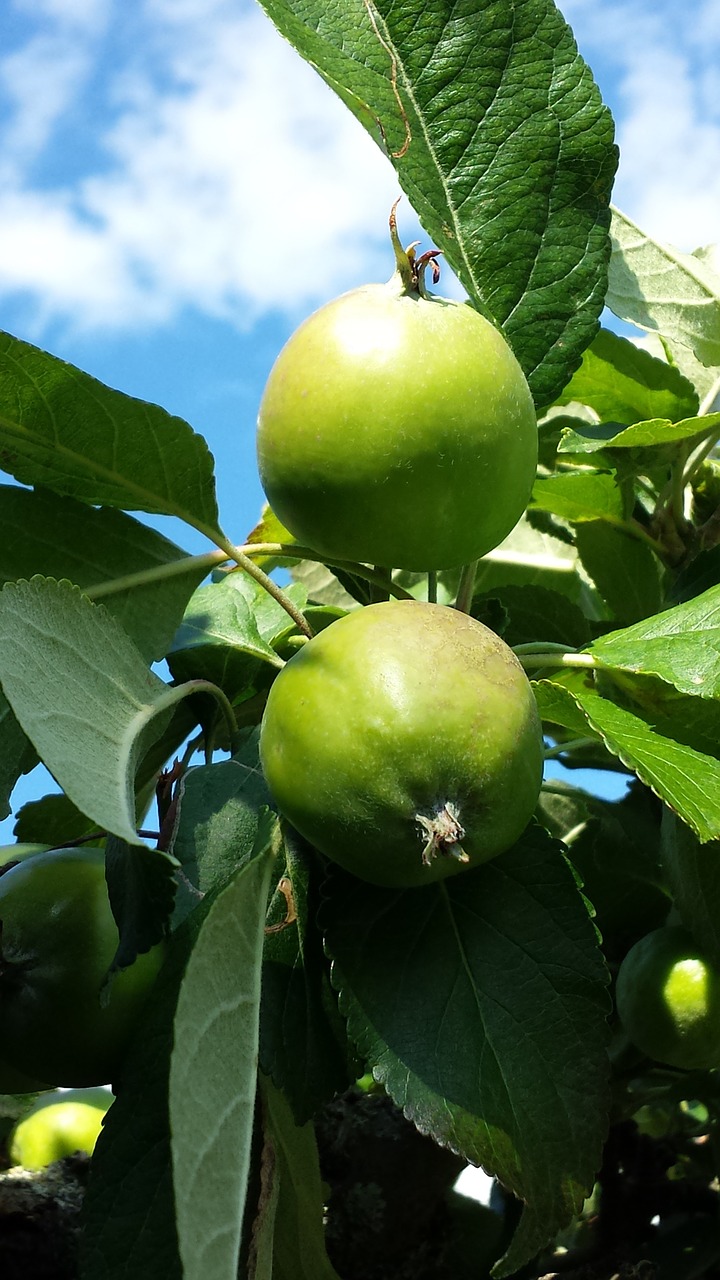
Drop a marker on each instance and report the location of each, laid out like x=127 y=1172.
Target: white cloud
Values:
x=70 y=268
x=225 y=176
x=77 y=15
x=670 y=152
x=38 y=83
x=664 y=57
x=248 y=184
x=235 y=182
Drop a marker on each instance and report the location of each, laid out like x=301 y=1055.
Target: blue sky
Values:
x=180 y=189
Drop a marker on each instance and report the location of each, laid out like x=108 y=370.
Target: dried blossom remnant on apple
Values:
x=442 y=834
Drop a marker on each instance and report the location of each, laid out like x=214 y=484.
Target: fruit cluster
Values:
x=397 y=429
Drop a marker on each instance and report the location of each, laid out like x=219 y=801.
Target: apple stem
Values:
x=294 y=551
x=408 y=267
x=545 y=658
x=444 y=832
x=562 y=748
x=466 y=587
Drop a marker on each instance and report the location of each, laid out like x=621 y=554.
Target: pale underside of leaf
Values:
x=213 y=1072
x=82 y=693
x=657 y=287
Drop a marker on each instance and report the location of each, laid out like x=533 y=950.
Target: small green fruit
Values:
x=59 y=1124
x=397 y=428
x=668 y=999
x=404 y=742
x=58 y=940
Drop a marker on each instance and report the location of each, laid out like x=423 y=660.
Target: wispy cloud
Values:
x=224 y=176
x=664 y=59
x=231 y=179
x=38 y=82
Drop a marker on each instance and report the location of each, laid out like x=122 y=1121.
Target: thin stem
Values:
x=636 y=530
x=214 y=534
x=708 y=400
x=466 y=587
x=243 y=561
x=678 y=482
x=694 y=460
x=554 y=788
x=159 y=573
x=563 y=747
x=191 y=564
x=432 y=586
x=698 y=455
x=193 y=745
x=540 y=646
x=382 y=590
x=293 y=551
x=583 y=660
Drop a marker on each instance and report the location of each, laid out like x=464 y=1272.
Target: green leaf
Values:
x=82 y=694
x=586 y=495
x=656 y=287
x=557 y=705
x=625 y=384
x=322 y=585
x=641 y=435
x=303 y=1042
x=531 y=557
x=270 y=529
x=499 y=138
x=680 y=646
x=564 y=810
x=625 y=570
x=64 y=430
x=666 y=758
x=271 y=619
x=616 y=854
x=480 y=1004
x=213 y=1070
x=297 y=1247
x=128 y=1212
x=536 y=614
x=42 y=533
x=55 y=819
x=141 y=887
x=17 y=754
x=219 y=808
x=699 y=575
x=693 y=872
x=229 y=632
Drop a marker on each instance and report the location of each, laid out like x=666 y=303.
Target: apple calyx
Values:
x=409 y=268
x=443 y=832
